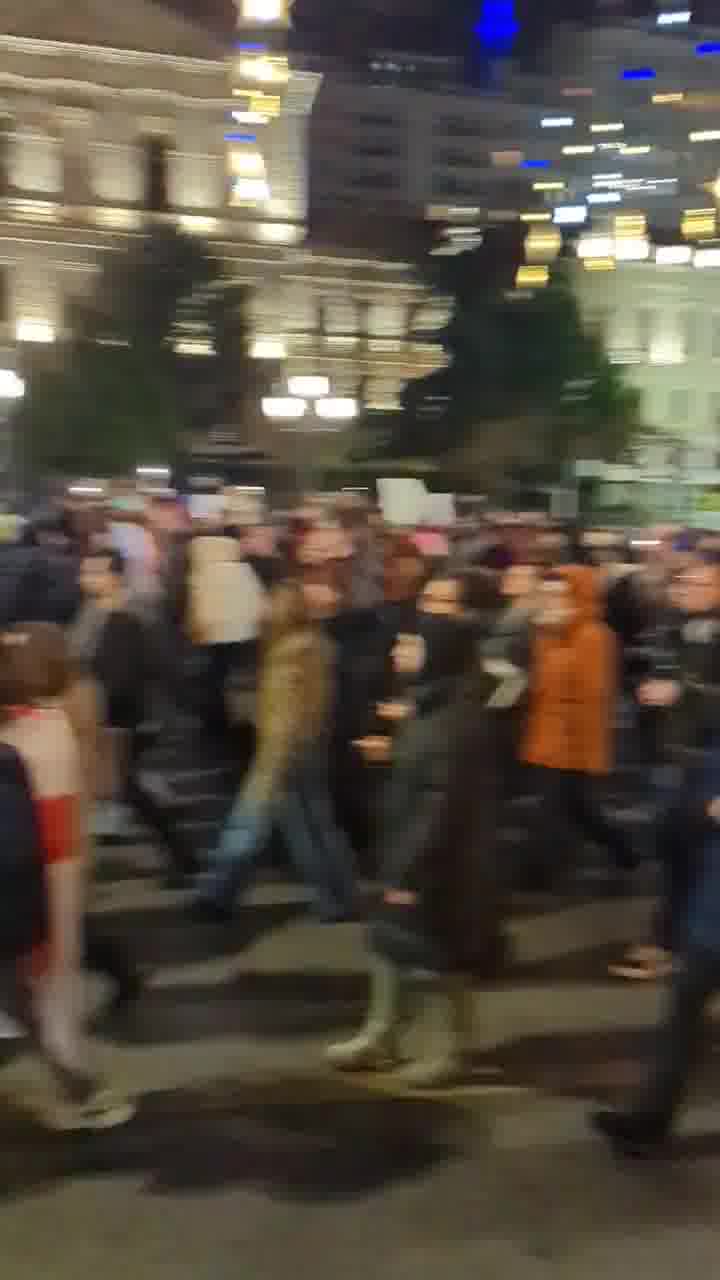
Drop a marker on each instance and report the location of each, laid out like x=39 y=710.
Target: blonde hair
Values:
x=287 y=613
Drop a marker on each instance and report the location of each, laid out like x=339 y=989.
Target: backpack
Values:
x=23 y=892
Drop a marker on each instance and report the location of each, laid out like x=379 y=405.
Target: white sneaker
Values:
x=102 y=1110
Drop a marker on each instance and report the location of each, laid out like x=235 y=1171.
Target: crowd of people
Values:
x=395 y=698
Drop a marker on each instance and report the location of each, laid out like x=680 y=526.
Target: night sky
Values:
x=350 y=28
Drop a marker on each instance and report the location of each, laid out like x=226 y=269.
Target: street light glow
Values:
x=284 y=408
x=263 y=10
x=674 y=18
x=309 y=387
x=338 y=408
x=12 y=387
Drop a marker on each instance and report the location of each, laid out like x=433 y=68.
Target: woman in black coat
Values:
x=441 y=911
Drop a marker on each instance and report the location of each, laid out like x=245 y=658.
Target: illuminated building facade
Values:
x=121 y=116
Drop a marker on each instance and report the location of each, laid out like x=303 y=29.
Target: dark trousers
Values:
x=680 y=1039
x=107 y=955
x=153 y=813
x=570 y=807
x=680 y=836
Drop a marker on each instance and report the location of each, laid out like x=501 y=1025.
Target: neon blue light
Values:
x=250 y=46
x=241 y=137
x=639 y=73
x=711 y=47
x=497 y=27
x=536 y=164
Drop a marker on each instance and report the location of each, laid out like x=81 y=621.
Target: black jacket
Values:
x=439 y=834
x=124 y=666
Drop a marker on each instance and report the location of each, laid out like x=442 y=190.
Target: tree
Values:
x=526 y=381
x=125 y=386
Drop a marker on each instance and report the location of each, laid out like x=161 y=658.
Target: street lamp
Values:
x=310 y=387
x=284 y=408
x=337 y=408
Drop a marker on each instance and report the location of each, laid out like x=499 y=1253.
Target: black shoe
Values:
x=206 y=912
x=128 y=993
x=630 y=1134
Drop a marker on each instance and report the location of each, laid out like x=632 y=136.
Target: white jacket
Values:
x=225 y=595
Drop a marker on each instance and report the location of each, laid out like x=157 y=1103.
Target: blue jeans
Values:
x=302 y=810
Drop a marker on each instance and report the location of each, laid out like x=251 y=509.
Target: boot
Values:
x=377 y=1046
x=452 y=1014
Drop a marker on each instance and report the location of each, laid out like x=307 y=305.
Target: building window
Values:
x=679 y=407
x=156 y=174
x=451 y=187
x=458 y=127
x=375 y=121
x=374 y=181
x=375 y=151
x=454 y=159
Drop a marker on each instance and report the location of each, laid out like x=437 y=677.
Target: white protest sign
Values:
x=402 y=500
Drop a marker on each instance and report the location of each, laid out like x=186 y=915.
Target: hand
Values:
x=659 y=693
x=713 y=810
x=374 y=749
x=399 y=898
x=393 y=711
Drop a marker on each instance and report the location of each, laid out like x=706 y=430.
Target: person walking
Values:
x=683 y=686
x=645 y=1126
x=36 y=725
x=441 y=910
x=112 y=644
x=225 y=602
x=288 y=783
x=568 y=739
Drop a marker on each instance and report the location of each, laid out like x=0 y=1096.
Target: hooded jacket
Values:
x=573 y=683
x=439 y=818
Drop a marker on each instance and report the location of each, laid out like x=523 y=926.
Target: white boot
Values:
x=376 y=1048
x=452 y=1014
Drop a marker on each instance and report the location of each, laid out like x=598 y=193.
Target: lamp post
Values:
x=309 y=408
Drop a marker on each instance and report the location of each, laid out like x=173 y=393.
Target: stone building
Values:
x=120 y=115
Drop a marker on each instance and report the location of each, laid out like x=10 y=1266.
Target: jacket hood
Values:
x=585 y=588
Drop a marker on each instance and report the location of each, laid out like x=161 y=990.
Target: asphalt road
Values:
x=249 y=1159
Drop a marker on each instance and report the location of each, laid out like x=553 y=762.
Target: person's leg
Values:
x=336 y=852
x=678 y=841
x=155 y=815
x=552 y=839
x=234 y=861
x=108 y=956
x=450 y=1011
x=583 y=796
x=84 y=1101
x=650 y=1118
x=377 y=1044
x=319 y=850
